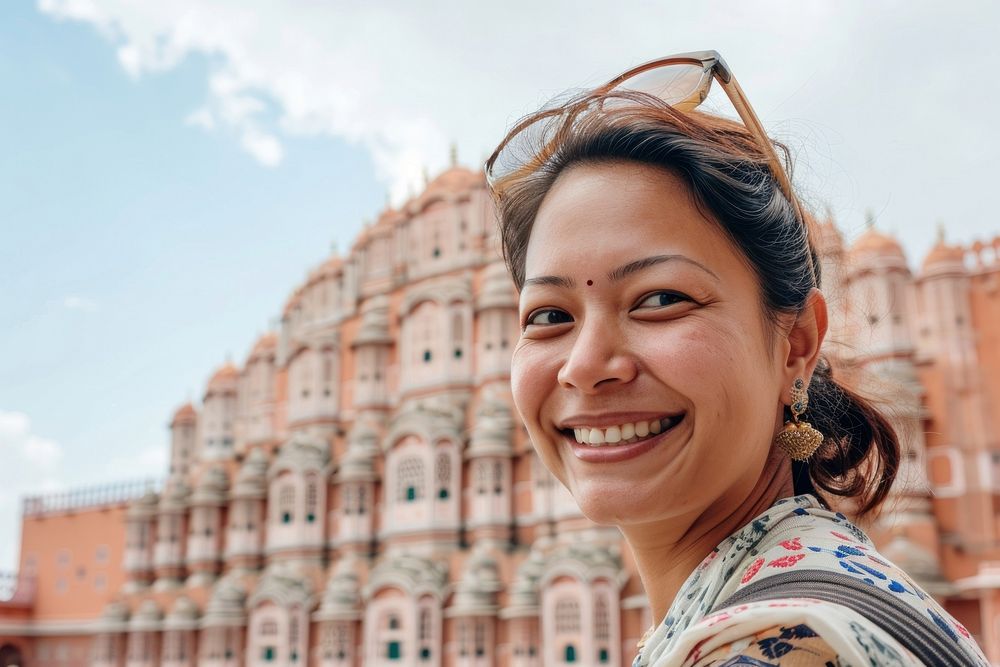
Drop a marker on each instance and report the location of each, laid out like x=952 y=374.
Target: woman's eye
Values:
x=661 y=299
x=547 y=316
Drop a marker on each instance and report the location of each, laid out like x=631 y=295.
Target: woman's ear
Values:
x=805 y=339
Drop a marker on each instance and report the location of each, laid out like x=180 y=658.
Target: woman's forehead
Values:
x=614 y=212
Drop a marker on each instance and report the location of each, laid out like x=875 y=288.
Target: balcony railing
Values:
x=95 y=496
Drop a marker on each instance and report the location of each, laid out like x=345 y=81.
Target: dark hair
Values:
x=730 y=176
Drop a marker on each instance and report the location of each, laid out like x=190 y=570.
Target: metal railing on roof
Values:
x=86 y=497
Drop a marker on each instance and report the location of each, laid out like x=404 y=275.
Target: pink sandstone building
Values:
x=360 y=491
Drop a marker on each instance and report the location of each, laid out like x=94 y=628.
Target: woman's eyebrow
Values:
x=621 y=272
x=642 y=264
x=557 y=281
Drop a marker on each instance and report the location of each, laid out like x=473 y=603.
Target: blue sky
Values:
x=136 y=252
x=170 y=170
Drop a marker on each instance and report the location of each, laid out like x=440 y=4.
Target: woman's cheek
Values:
x=528 y=381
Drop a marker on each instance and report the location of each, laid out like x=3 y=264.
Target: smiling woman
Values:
x=671 y=326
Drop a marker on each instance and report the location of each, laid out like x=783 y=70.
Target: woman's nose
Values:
x=599 y=356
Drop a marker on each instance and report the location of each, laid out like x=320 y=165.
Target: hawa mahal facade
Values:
x=359 y=490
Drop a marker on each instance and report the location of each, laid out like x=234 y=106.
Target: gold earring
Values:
x=799 y=439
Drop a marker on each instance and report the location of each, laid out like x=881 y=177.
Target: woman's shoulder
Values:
x=815 y=550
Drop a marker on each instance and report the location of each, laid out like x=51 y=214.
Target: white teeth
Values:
x=623 y=434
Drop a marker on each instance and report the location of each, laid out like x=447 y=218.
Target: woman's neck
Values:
x=666 y=553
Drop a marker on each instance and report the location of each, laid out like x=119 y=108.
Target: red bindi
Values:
x=590 y=282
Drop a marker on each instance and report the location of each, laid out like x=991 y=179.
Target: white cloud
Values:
x=265 y=147
x=30 y=466
x=202 y=118
x=848 y=85
x=80 y=303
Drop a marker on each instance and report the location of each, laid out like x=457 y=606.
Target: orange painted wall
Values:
x=76 y=558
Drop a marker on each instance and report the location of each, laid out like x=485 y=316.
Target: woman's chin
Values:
x=613 y=507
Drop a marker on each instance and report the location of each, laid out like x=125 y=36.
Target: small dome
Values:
x=211 y=488
x=389 y=216
x=226 y=605
x=186 y=414
x=183 y=615
x=475 y=592
x=265 y=345
x=332 y=266
x=874 y=243
x=492 y=430
x=115 y=611
x=342 y=597
x=144 y=506
x=374 y=328
x=452 y=181
x=224 y=379
x=147 y=617
x=251 y=481
x=497 y=288
x=175 y=496
x=293 y=301
x=944 y=257
x=455 y=179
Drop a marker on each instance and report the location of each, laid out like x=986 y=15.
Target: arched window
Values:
x=327 y=369
x=311 y=500
x=286 y=503
x=482 y=477
x=497 y=477
x=293 y=636
x=362 y=500
x=424 y=633
x=442 y=474
x=602 y=627
x=457 y=335
x=480 y=638
x=348 y=499
x=425 y=625
x=342 y=641
x=567 y=615
x=569 y=654
x=410 y=484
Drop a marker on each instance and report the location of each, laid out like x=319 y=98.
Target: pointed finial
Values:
x=427 y=178
x=333 y=247
x=940 y=231
x=869 y=218
x=388 y=200
x=453 y=154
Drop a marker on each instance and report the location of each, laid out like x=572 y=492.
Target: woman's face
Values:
x=643 y=330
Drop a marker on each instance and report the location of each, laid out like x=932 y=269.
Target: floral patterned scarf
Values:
x=794 y=533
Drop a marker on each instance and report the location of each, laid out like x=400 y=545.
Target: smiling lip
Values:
x=617 y=453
